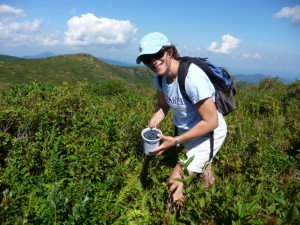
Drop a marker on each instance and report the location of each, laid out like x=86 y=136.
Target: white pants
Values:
x=200 y=148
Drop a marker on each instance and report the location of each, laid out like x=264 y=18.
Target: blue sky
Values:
x=250 y=36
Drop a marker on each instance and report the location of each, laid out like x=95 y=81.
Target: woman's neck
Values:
x=173 y=70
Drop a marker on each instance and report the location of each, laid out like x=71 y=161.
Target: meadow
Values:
x=71 y=153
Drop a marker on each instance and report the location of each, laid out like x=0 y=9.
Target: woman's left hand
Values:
x=167 y=143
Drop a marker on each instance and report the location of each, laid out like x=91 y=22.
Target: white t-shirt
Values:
x=198 y=87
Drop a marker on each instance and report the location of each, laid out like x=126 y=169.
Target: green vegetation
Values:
x=69 y=68
x=71 y=153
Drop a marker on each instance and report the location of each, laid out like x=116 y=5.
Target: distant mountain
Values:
x=256 y=78
x=8 y=57
x=51 y=54
x=40 y=56
x=253 y=78
x=116 y=63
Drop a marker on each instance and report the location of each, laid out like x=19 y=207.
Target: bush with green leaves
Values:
x=72 y=154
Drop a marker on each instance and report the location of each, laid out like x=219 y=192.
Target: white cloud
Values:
x=17 y=31
x=248 y=55
x=257 y=55
x=20 y=33
x=84 y=30
x=289 y=12
x=8 y=12
x=27 y=32
x=187 y=50
x=91 y=30
x=228 y=44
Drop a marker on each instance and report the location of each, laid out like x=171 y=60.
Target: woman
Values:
x=195 y=121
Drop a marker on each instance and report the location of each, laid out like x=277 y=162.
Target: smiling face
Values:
x=159 y=62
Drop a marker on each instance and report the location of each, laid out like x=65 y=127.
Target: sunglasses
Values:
x=147 y=59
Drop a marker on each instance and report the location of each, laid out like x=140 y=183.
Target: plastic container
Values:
x=150 y=142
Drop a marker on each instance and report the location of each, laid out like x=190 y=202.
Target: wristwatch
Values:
x=177 y=142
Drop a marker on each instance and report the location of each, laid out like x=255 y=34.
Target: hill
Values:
x=69 y=68
x=8 y=57
x=41 y=55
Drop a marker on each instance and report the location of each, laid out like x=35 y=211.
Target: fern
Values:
x=135 y=199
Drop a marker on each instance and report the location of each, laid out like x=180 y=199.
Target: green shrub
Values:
x=72 y=154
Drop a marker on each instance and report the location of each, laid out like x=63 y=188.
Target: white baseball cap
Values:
x=151 y=44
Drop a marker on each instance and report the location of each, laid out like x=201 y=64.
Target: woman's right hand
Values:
x=167 y=143
x=152 y=125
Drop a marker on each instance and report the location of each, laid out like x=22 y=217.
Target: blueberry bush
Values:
x=72 y=154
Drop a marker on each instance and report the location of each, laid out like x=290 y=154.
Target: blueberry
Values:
x=151 y=134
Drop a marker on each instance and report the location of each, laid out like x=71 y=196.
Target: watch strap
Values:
x=177 y=144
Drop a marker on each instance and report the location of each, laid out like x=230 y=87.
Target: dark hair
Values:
x=175 y=53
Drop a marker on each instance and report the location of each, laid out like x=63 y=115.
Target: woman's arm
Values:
x=207 y=110
x=161 y=110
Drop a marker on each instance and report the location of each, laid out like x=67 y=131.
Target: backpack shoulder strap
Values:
x=185 y=62
x=182 y=72
x=159 y=78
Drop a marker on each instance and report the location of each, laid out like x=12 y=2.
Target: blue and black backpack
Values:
x=220 y=78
